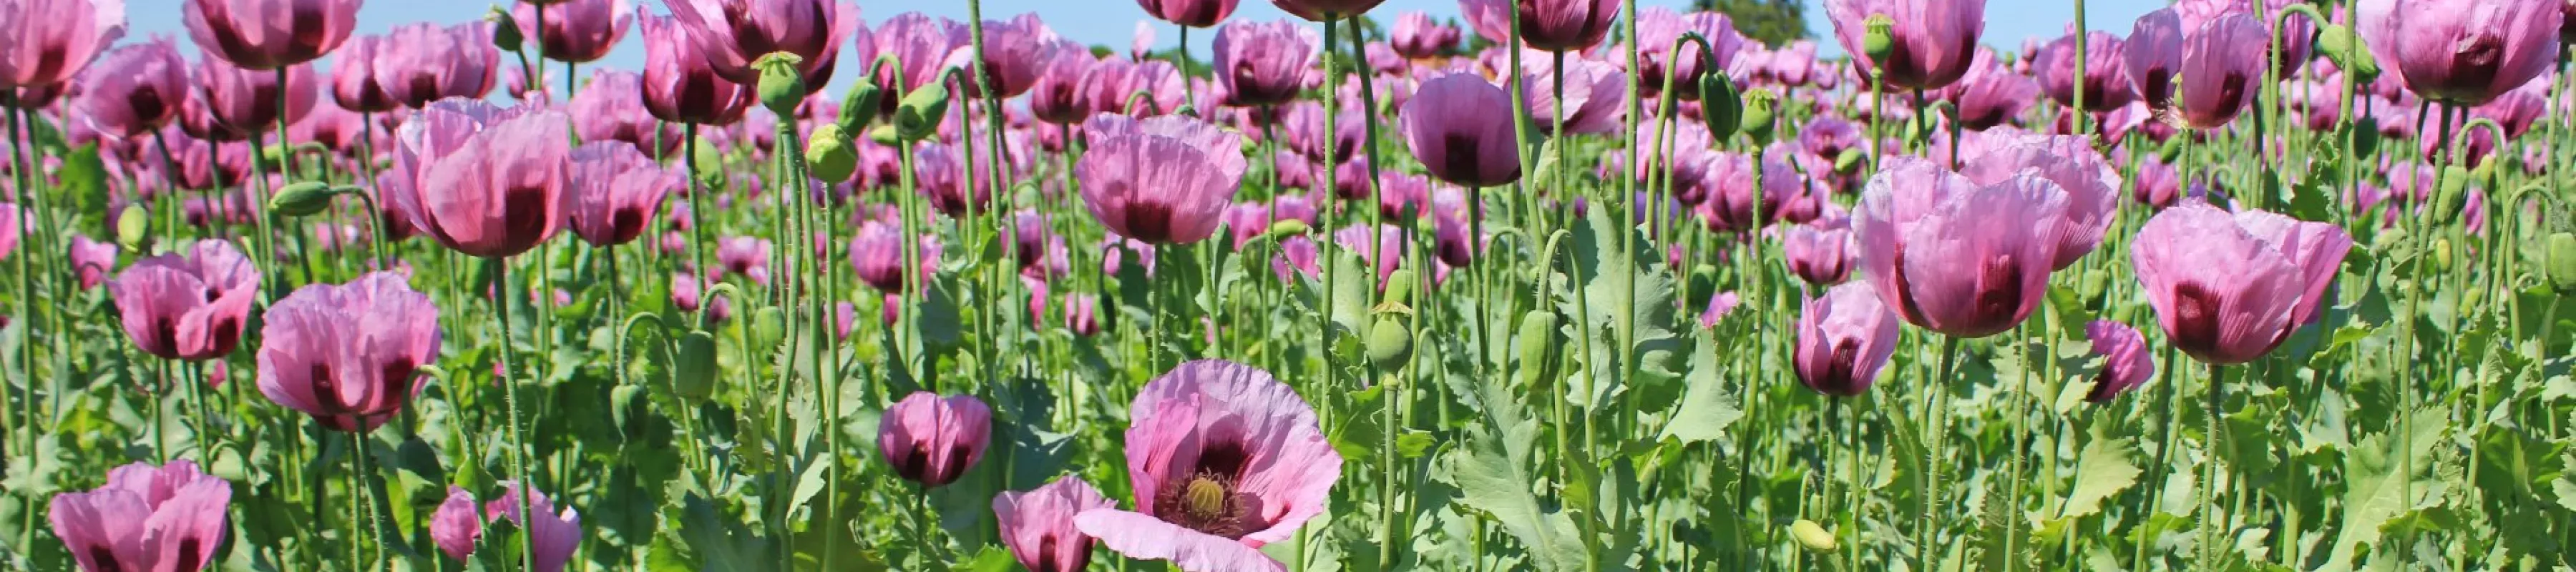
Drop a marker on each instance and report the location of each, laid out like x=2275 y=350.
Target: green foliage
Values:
x=1774 y=22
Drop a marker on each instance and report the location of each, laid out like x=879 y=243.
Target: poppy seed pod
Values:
x=782 y=86
x=1758 y=106
x=1880 y=36
x=1390 y=346
x=831 y=155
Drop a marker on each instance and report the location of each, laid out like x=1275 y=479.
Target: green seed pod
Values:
x=859 y=106
x=1535 y=344
x=782 y=86
x=1288 y=227
x=505 y=30
x=2559 y=252
x=1720 y=106
x=2452 y=190
x=919 y=114
x=693 y=376
x=885 y=135
x=1390 y=346
x=133 y=227
x=2171 y=150
x=1849 y=161
x=301 y=199
x=1758 y=110
x=1813 y=536
x=1880 y=39
x=830 y=156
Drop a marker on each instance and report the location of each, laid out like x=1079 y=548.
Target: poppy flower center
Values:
x=1207 y=502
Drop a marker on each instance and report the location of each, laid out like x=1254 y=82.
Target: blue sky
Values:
x=1112 y=22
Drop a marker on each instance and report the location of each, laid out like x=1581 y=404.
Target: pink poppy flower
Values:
x=934 y=440
x=348 y=355
x=187 y=306
x=1038 y=525
x=156 y=519
x=1223 y=460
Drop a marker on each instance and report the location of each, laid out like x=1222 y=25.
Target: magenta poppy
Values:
x=1930 y=43
x=1266 y=63
x=1953 y=256
x=731 y=34
x=2125 y=361
x=269 y=34
x=457 y=524
x=51 y=40
x=615 y=191
x=482 y=180
x=187 y=306
x=348 y=355
x=1460 y=127
x=1162 y=180
x=169 y=518
x=1223 y=459
x=1844 y=338
x=2465 y=52
x=420 y=63
x=2229 y=287
x=1038 y=526
x=134 y=90
x=680 y=85
x=576 y=30
x=933 y=440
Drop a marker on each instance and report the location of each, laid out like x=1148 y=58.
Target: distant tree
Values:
x=1775 y=22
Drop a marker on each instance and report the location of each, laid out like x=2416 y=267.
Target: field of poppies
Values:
x=1561 y=285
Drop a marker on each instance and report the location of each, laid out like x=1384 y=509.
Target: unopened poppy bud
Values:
x=300 y=199
x=132 y=228
x=1849 y=161
x=1813 y=536
x=694 y=373
x=919 y=114
x=1390 y=346
x=1537 y=338
x=1702 y=285
x=885 y=135
x=1289 y=227
x=2559 y=256
x=782 y=86
x=859 y=106
x=1720 y=106
x=2446 y=200
x=2171 y=150
x=505 y=30
x=1880 y=39
x=1399 y=287
x=2441 y=254
x=2365 y=136
x=830 y=156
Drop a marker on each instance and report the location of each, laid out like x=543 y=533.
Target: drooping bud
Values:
x=505 y=30
x=2365 y=136
x=1813 y=536
x=301 y=199
x=1849 y=161
x=859 y=106
x=132 y=228
x=1880 y=39
x=782 y=85
x=1399 y=287
x=1535 y=344
x=2559 y=252
x=1288 y=227
x=918 y=116
x=2448 y=194
x=1721 y=106
x=694 y=374
x=830 y=155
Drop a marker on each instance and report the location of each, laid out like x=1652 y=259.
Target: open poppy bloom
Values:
x=1223 y=459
